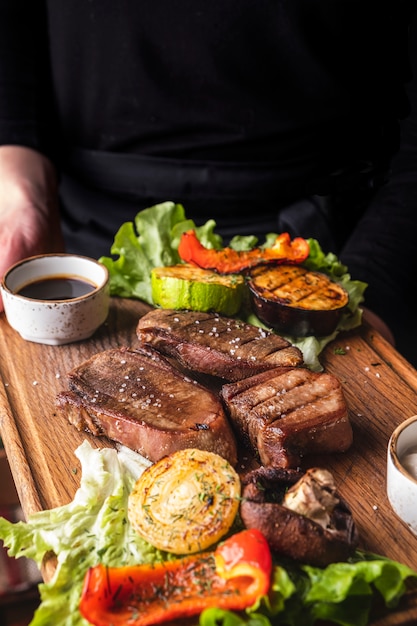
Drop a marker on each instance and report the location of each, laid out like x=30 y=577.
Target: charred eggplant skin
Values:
x=296 y=301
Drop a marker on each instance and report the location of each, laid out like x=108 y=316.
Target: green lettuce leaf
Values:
x=341 y=593
x=150 y=241
x=91 y=529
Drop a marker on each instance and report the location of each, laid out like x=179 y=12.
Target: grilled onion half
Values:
x=185 y=502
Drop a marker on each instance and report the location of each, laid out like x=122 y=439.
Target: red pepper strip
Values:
x=142 y=595
x=246 y=554
x=229 y=261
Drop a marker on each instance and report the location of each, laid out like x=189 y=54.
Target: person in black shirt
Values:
x=265 y=116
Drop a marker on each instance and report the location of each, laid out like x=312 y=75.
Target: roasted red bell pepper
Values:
x=233 y=577
x=229 y=261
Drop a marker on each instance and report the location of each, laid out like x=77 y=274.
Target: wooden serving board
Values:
x=380 y=388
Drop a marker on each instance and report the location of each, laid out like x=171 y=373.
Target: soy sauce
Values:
x=56 y=288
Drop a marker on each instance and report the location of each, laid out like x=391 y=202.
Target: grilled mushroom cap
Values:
x=290 y=533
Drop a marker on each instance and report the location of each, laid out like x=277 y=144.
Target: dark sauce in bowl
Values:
x=56 y=288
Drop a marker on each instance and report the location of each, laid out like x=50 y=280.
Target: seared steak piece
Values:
x=136 y=397
x=213 y=344
x=286 y=413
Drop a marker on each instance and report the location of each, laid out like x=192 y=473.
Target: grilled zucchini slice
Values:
x=185 y=287
x=185 y=502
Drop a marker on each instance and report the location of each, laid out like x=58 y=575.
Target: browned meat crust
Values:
x=136 y=397
x=286 y=413
x=213 y=344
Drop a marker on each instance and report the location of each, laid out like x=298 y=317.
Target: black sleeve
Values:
x=26 y=116
x=382 y=250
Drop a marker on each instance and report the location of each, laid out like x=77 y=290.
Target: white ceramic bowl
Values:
x=402 y=472
x=60 y=314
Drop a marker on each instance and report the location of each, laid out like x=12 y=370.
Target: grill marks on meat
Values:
x=286 y=413
x=136 y=397
x=213 y=344
x=140 y=398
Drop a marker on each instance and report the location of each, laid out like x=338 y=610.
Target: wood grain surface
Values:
x=380 y=388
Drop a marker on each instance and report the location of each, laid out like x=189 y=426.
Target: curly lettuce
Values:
x=91 y=529
x=151 y=240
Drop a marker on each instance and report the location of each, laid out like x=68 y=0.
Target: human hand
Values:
x=29 y=215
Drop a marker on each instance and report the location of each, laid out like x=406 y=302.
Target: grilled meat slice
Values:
x=286 y=413
x=136 y=397
x=213 y=344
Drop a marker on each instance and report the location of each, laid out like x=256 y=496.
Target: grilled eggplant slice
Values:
x=297 y=301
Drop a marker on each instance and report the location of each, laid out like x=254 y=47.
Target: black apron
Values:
x=99 y=191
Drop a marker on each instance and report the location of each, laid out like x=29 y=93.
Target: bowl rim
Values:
x=392 y=447
x=4 y=287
